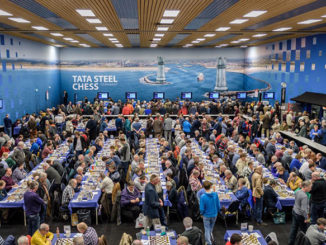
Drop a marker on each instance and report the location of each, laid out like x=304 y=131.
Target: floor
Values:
x=113 y=232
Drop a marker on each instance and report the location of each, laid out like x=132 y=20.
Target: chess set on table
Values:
x=159 y=240
x=64 y=241
x=250 y=239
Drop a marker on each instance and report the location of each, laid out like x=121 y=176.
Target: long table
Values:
x=226 y=196
x=305 y=141
x=59 y=154
x=170 y=234
x=260 y=237
x=90 y=183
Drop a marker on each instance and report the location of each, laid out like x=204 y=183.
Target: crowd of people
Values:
x=217 y=126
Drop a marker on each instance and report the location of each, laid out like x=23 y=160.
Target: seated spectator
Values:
x=235 y=239
x=34 y=146
x=242 y=193
x=140 y=183
x=182 y=240
x=172 y=194
x=69 y=192
x=321 y=161
x=194 y=181
x=283 y=175
x=113 y=173
x=5 y=148
x=294 y=181
x=270 y=196
x=316 y=233
x=78 y=241
x=242 y=163
x=89 y=234
x=10 y=183
x=308 y=171
x=138 y=173
x=274 y=165
x=230 y=181
x=296 y=162
x=315 y=133
x=23 y=240
x=42 y=236
x=3 y=192
x=19 y=173
x=48 y=150
x=130 y=198
x=191 y=232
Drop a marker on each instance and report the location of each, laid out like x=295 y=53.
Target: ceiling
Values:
x=135 y=23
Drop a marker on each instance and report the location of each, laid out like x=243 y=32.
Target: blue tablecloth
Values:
x=289 y=202
x=62 y=235
x=16 y=130
x=229 y=233
x=173 y=240
x=84 y=204
x=226 y=203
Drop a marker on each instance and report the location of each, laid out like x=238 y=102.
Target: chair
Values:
x=271 y=237
x=231 y=211
x=301 y=239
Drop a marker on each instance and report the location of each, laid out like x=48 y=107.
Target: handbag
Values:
x=279 y=218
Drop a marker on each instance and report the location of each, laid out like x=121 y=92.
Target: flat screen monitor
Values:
x=241 y=95
x=131 y=95
x=214 y=95
x=158 y=95
x=269 y=95
x=1 y=103
x=103 y=95
x=186 y=95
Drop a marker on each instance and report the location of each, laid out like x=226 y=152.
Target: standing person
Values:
x=318 y=197
x=168 y=127
x=258 y=193
x=153 y=203
x=33 y=204
x=158 y=126
x=79 y=144
x=91 y=128
x=209 y=208
x=124 y=153
x=65 y=97
x=8 y=125
x=300 y=212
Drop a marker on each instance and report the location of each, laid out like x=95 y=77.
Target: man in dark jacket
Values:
x=91 y=128
x=318 y=197
x=270 y=196
x=152 y=202
x=193 y=233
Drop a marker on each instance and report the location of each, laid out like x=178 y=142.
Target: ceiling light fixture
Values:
x=244 y=46
x=307 y=22
x=119 y=45
x=58 y=46
x=162 y=28
x=157 y=39
x=166 y=21
x=40 y=28
x=74 y=41
x=255 y=13
x=94 y=21
x=171 y=13
x=153 y=45
x=68 y=38
x=238 y=21
x=243 y=39
x=159 y=35
x=4 y=13
x=19 y=20
x=283 y=29
x=201 y=39
x=84 y=45
x=101 y=28
x=195 y=41
x=113 y=39
x=209 y=35
x=108 y=34
x=223 y=28
x=259 y=35
x=56 y=34
x=85 y=12
x=235 y=41
x=323 y=16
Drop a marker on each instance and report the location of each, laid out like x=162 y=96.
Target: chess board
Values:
x=64 y=241
x=159 y=240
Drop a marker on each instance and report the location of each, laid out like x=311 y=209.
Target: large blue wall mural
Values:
x=27 y=70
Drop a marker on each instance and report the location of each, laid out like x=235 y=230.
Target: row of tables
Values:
x=15 y=198
x=90 y=193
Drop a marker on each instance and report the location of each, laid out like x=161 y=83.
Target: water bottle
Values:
x=147 y=231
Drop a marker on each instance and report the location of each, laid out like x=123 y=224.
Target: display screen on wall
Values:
x=269 y=95
x=103 y=95
x=186 y=95
x=158 y=95
x=241 y=95
x=214 y=95
x=1 y=103
x=131 y=95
